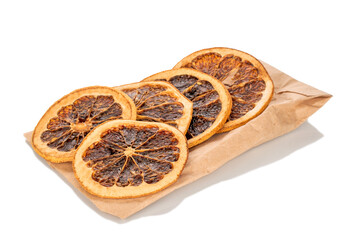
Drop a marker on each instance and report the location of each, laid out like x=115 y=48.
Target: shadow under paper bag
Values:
x=292 y=104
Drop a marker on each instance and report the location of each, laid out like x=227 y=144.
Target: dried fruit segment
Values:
x=66 y=123
x=126 y=159
x=182 y=82
x=199 y=125
x=207 y=63
x=250 y=86
x=211 y=100
x=163 y=112
x=121 y=162
x=160 y=102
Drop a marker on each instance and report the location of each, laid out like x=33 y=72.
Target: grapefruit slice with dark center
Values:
x=246 y=79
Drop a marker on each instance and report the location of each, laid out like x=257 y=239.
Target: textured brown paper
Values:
x=292 y=104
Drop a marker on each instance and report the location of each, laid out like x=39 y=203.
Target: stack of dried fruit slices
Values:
x=133 y=140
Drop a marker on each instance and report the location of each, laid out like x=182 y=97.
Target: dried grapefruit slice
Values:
x=128 y=159
x=65 y=124
x=211 y=101
x=247 y=80
x=160 y=102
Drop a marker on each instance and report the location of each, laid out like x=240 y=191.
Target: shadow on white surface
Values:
x=257 y=157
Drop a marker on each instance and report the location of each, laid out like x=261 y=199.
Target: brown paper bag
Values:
x=292 y=104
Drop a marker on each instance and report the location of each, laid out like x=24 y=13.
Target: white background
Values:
x=304 y=185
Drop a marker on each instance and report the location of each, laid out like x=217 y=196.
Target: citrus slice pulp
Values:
x=160 y=102
x=65 y=124
x=128 y=159
x=211 y=101
x=246 y=79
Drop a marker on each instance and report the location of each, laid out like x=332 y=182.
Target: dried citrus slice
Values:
x=211 y=101
x=247 y=80
x=160 y=102
x=65 y=124
x=128 y=159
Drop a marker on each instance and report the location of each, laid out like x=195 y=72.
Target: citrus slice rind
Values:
x=248 y=82
x=128 y=159
x=160 y=102
x=65 y=124
x=211 y=101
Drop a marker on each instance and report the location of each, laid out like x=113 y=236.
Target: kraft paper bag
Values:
x=293 y=102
